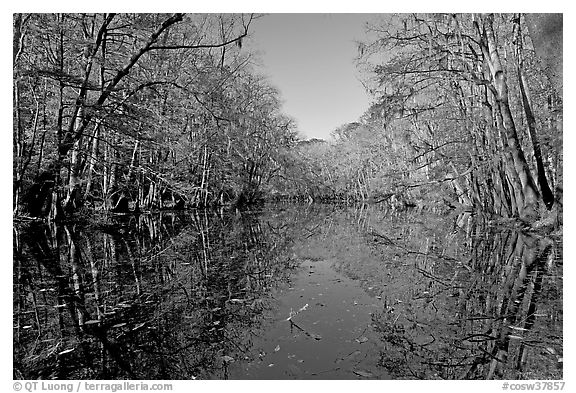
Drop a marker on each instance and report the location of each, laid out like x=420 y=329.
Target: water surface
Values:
x=287 y=292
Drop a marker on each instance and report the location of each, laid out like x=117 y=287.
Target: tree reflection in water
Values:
x=170 y=296
x=489 y=307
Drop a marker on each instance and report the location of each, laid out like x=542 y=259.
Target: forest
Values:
x=144 y=112
x=172 y=221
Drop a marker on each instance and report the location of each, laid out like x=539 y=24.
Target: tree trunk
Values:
x=19 y=144
x=110 y=173
x=56 y=212
x=92 y=163
x=530 y=206
x=547 y=195
x=513 y=179
x=18 y=127
x=73 y=198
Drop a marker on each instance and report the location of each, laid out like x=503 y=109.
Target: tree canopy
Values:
x=135 y=112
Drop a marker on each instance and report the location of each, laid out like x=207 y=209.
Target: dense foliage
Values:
x=466 y=111
x=150 y=111
x=139 y=110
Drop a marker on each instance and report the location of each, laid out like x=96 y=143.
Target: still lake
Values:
x=287 y=292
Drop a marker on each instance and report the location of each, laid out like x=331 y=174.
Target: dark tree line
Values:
x=139 y=111
x=150 y=111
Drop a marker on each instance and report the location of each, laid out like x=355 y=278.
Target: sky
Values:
x=310 y=59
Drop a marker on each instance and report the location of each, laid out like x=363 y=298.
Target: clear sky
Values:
x=310 y=59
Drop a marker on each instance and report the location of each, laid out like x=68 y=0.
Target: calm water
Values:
x=287 y=292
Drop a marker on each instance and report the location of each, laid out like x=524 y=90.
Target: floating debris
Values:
x=293 y=314
x=66 y=351
x=550 y=350
x=518 y=328
x=362 y=373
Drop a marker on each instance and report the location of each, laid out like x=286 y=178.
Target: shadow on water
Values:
x=288 y=292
